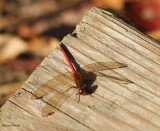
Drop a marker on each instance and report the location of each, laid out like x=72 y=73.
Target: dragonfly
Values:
x=82 y=77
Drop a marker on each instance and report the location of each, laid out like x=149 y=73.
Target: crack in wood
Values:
x=22 y=108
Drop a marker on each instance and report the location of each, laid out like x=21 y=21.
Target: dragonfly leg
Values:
x=78 y=96
x=70 y=88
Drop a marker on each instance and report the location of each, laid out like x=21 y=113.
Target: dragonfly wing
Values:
x=60 y=81
x=56 y=83
x=47 y=110
x=55 y=102
x=121 y=79
x=99 y=66
x=40 y=92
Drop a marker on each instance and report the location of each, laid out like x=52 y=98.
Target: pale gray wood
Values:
x=100 y=37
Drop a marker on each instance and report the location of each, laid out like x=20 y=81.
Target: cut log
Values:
x=100 y=37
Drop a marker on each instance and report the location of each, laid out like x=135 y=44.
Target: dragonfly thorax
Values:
x=79 y=80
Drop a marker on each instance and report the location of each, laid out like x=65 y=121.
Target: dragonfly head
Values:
x=82 y=91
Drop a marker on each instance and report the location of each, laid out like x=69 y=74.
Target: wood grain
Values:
x=100 y=37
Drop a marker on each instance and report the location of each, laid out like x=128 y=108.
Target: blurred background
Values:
x=31 y=29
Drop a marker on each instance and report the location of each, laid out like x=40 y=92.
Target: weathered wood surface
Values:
x=100 y=36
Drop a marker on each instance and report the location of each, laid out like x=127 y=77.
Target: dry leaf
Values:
x=43 y=46
x=12 y=47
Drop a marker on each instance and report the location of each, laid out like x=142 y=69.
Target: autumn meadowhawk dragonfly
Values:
x=59 y=87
